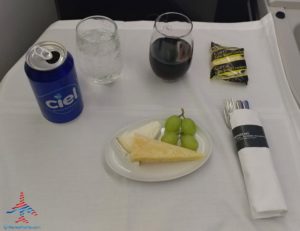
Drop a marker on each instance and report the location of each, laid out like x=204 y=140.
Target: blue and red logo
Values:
x=22 y=209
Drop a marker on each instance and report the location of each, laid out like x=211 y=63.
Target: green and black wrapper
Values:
x=228 y=63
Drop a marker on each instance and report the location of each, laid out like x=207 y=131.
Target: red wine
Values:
x=170 y=58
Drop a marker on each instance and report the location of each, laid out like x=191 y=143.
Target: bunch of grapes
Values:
x=178 y=127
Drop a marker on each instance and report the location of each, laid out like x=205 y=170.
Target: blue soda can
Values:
x=51 y=72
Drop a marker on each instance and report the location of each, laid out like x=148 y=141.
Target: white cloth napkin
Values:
x=262 y=185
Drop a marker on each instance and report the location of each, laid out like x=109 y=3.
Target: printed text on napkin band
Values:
x=249 y=136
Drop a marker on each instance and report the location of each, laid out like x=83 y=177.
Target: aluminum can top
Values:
x=46 y=56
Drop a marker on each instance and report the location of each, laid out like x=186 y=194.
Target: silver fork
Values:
x=231 y=105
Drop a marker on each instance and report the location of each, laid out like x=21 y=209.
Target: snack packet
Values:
x=228 y=63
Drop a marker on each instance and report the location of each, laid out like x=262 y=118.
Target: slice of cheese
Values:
x=146 y=150
x=150 y=130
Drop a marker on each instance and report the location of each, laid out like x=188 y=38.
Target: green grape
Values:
x=170 y=138
x=190 y=142
x=188 y=126
x=173 y=124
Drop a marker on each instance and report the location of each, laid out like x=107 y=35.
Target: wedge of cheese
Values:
x=150 y=130
x=147 y=150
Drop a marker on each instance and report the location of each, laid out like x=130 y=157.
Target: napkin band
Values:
x=247 y=129
x=249 y=136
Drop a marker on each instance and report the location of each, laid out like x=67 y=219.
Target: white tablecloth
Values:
x=61 y=169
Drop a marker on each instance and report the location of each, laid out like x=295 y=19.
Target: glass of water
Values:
x=98 y=49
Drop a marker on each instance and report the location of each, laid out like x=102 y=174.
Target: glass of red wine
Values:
x=171 y=47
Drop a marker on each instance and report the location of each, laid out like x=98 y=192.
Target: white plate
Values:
x=118 y=161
